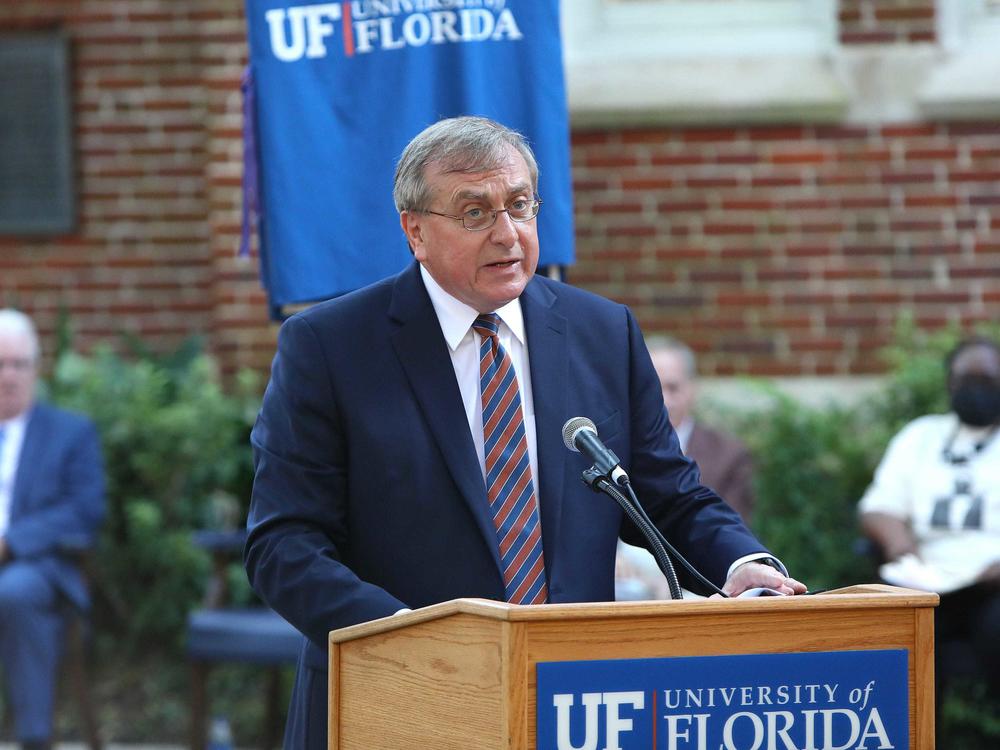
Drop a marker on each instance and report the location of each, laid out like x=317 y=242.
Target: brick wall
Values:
x=886 y=21
x=157 y=111
x=791 y=250
x=774 y=250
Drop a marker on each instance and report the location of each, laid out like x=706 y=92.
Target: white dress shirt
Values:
x=10 y=452
x=456 y=320
x=684 y=430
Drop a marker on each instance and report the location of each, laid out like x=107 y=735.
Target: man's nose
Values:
x=504 y=230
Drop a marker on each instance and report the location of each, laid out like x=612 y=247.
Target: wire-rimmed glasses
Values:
x=477 y=219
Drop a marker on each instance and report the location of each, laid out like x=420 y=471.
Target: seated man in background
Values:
x=51 y=503
x=933 y=508
x=724 y=461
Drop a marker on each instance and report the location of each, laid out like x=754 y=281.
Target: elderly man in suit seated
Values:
x=725 y=463
x=51 y=504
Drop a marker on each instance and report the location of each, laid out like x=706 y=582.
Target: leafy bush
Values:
x=810 y=467
x=175 y=449
x=813 y=465
x=177 y=458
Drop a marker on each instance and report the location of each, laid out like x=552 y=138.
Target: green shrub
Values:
x=810 y=467
x=177 y=458
x=173 y=442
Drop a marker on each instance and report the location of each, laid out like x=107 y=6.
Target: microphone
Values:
x=580 y=435
x=606 y=475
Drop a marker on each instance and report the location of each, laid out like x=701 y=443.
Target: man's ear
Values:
x=413 y=229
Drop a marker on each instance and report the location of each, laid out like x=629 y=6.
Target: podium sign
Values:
x=851 y=669
x=795 y=701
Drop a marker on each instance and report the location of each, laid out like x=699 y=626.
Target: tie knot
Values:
x=486 y=324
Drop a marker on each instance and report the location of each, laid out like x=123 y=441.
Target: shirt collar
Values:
x=16 y=423
x=456 y=317
x=684 y=430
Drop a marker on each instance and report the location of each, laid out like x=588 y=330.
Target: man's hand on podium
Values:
x=753 y=575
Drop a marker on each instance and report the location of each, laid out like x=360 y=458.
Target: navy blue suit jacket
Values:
x=368 y=495
x=58 y=499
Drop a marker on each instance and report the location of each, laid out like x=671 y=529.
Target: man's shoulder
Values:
x=59 y=420
x=571 y=297
x=351 y=316
x=929 y=427
x=720 y=439
x=346 y=305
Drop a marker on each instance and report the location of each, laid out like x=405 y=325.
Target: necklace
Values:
x=962 y=459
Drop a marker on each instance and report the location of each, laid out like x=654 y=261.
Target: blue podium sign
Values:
x=843 y=700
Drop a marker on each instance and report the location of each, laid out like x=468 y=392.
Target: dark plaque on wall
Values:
x=36 y=135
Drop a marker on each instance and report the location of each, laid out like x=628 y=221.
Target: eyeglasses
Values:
x=17 y=364
x=477 y=219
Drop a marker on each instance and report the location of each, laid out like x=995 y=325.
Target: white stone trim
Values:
x=964 y=84
x=689 y=61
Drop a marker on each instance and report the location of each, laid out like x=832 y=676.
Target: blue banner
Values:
x=845 y=700
x=341 y=88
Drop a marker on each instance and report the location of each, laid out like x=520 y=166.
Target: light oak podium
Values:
x=462 y=674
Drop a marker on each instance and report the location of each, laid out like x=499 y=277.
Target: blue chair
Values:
x=217 y=633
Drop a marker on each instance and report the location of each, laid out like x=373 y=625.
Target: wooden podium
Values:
x=462 y=674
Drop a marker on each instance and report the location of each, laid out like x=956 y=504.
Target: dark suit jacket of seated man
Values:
x=51 y=504
x=369 y=495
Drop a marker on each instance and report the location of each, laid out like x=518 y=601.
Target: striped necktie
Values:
x=508 y=470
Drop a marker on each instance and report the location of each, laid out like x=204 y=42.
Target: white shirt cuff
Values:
x=757 y=556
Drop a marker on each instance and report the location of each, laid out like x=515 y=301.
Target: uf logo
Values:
x=615 y=724
x=304 y=21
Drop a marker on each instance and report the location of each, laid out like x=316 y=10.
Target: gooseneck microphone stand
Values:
x=599 y=482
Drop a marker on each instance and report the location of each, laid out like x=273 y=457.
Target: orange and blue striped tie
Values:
x=508 y=470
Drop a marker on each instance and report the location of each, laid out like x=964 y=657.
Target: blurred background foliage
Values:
x=813 y=464
x=177 y=459
x=176 y=451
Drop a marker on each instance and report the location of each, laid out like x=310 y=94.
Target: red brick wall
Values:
x=771 y=249
x=791 y=250
x=886 y=21
x=157 y=110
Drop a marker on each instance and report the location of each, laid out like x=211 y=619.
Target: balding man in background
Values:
x=725 y=463
x=51 y=504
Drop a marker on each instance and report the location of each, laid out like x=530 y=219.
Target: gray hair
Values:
x=670 y=344
x=16 y=322
x=458 y=144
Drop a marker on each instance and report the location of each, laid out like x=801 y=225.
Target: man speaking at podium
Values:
x=409 y=448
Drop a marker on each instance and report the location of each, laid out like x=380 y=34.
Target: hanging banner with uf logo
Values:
x=340 y=88
x=844 y=700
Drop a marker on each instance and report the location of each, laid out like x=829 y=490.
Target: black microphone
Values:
x=580 y=435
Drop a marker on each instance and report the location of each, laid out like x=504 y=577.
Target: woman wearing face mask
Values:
x=933 y=508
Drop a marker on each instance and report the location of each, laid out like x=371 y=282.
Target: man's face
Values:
x=485 y=269
x=974 y=386
x=976 y=362
x=678 y=388
x=18 y=373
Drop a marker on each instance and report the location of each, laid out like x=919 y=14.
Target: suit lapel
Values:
x=27 y=463
x=549 y=364
x=423 y=353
